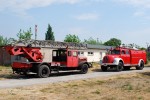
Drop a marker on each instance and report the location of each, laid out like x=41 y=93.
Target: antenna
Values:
x=35 y=32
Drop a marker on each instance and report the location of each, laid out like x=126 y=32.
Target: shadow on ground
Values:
x=111 y=70
x=30 y=76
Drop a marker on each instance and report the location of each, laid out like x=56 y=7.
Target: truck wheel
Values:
x=84 y=69
x=43 y=71
x=119 y=67
x=141 y=66
x=104 y=68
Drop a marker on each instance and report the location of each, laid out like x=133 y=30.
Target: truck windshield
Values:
x=115 y=52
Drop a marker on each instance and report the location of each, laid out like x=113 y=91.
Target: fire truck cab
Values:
x=124 y=58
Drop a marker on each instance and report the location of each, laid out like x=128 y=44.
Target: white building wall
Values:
x=47 y=54
x=96 y=56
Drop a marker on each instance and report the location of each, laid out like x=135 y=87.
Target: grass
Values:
x=6 y=73
x=127 y=86
x=95 y=67
x=97 y=91
x=148 y=64
x=135 y=86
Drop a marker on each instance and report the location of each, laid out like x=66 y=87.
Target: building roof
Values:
x=91 y=46
x=58 y=44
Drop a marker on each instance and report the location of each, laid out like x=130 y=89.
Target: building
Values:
x=95 y=53
x=5 y=58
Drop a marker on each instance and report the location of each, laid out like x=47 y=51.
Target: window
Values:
x=90 y=53
x=63 y=53
x=115 y=52
x=123 y=52
x=17 y=57
x=74 y=54
x=127 y=52
x=81 y=53
x=54 y=53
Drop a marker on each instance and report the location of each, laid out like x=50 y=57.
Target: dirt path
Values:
x=62 y=77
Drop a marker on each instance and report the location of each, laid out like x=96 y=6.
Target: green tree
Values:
x=72 y=38
x=49 y=35
x=113 y=42
x=5 y=41
x=148 y=55
x=92 y=41
x=142 y=48
x=1 y=40
x=24 y=34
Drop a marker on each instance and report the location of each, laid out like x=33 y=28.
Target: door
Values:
x=125 y=56
x=72 y=59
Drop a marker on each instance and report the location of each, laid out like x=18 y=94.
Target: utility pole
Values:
x=97 y=40
x=147 y=46
x=35 y=32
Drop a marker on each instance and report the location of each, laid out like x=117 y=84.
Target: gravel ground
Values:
x=61 y=77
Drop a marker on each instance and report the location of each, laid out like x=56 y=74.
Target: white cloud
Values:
x=21 y=6
x=87 y=16
x=28 y=4
x=139 y=14
x=136 y=3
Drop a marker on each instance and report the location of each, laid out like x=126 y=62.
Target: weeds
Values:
x=72 y=85
x=99 y=82
x=47 y=90
x=97 y=91
x=147 y=89
x=127 y=86
x=11 y=92
x=140 y=98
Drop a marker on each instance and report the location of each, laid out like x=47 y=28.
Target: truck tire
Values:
x=141 y=66
x=84 y=68
x=119 y=67
x=43 y=71
x=104 y=68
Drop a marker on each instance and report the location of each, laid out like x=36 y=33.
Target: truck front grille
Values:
x=105 y=59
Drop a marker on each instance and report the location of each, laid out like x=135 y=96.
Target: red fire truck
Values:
x=124 y=58
x=62 y=59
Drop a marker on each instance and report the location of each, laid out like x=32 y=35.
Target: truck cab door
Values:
x=125 y=56
x=72 y=59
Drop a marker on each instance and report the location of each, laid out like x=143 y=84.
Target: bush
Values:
x=148 y=56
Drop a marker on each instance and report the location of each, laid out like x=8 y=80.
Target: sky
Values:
x=127 y=20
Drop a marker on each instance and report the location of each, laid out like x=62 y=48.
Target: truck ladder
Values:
x=48 y=44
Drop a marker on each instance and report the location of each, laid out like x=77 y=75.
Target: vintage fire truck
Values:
x=120 y=58
x=63 y=58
